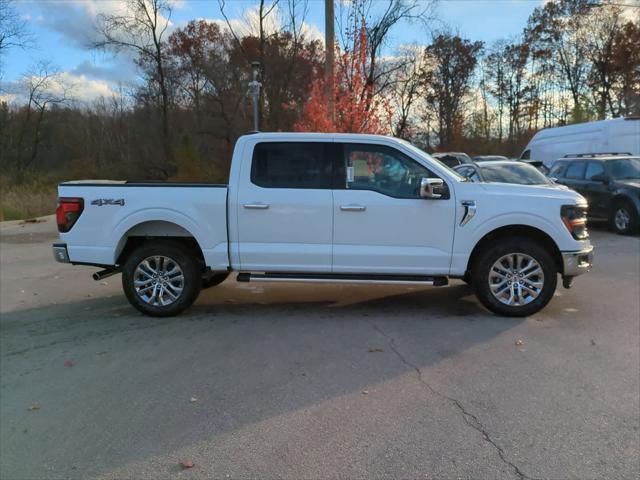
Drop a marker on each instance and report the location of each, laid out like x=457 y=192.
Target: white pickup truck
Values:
x=306 y=207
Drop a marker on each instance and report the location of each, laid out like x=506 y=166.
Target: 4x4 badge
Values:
x=108 y=201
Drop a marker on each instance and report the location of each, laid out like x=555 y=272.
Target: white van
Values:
x=604 y=136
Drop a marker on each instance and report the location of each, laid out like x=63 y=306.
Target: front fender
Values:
x=468 y=236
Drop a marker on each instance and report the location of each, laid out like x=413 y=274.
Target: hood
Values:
x=633 y=183
x=559 y=192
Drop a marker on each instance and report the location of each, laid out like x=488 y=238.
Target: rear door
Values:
x=284 y=208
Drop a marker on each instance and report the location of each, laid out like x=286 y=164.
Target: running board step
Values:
x=343 y=278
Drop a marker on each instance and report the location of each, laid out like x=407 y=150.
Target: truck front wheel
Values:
x=161 y=278
x=516 y=277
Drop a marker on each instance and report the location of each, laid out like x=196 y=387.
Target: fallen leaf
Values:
x=186 y=464
x=69 y=363
x=375 y=349
x=104 y=283
x=365 y=392
x=519 y=342
x=193 y=400
x=593 y=342
x=33 y=407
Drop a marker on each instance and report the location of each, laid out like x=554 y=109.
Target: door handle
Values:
x=256 y=206
x=353 y=208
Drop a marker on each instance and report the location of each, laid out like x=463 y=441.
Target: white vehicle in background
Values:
x=305 y=207
x=619 y=135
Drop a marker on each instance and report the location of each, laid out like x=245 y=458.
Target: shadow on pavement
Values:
x=245 y=354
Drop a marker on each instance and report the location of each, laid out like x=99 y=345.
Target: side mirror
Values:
x=429 y=186
x=554 y=179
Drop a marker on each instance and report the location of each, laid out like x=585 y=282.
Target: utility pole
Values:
x=329 y=46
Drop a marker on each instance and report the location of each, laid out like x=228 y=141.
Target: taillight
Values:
x=574 y=218
x=68 y=212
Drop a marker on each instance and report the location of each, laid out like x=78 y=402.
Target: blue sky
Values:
x=61 y=29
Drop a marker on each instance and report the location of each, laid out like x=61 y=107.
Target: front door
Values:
x=381 y=224
x=284 y=208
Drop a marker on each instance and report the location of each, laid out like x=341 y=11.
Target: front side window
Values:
x=526 y=155
x=291 y=165
x=576 y=170
x=557 y=169
x=382 y=169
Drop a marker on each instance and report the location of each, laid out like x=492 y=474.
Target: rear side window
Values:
x=291 y=165
x=593 y=169
x=557 y=169
x=575 y=170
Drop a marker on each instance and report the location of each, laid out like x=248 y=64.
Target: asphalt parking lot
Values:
x=293 y=381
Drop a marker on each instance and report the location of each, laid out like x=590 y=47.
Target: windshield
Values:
x=514 y=173
x=624 y=169
x=421 y=153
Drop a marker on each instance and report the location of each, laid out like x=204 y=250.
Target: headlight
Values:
x=574 y=218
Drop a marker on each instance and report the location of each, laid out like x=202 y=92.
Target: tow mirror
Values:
x=431 y=187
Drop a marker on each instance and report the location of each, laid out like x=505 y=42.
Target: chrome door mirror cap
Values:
x=428 y=187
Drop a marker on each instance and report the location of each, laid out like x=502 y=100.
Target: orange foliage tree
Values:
x=357 y=109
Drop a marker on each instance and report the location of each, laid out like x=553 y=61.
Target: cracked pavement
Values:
x=296 y=381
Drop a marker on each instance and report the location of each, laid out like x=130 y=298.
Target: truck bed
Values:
x=115 y=211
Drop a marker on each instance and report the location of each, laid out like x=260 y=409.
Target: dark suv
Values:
x=609 y=182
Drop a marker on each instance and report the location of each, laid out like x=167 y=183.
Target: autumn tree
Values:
x=140 y=27
x=451 y=61
x=356 y=110
x=507 y=75
x=626 y=65
x=381 y=19
x=555 y=32
x=406 y=89
x=44 y=88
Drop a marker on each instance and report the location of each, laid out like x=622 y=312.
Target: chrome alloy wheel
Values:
x=516 y=279
x=622 y=218
x=158 y=281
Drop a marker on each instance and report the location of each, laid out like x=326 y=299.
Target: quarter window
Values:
x=291 y=165
x=576 y=170
x=382 y=169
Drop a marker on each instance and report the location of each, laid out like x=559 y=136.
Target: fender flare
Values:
x=119 y=234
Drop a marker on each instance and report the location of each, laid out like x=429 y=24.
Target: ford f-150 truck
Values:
x=307 y=207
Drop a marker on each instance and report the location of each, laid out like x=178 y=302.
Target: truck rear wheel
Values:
x=515 y=278
x=161 y=278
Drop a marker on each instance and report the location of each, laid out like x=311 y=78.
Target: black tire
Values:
x=467 y=278
x=516 y=245
x=628 y=212
x=176 y=253
x=212 y=280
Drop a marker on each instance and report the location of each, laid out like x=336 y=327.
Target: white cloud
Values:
x=73 y=87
